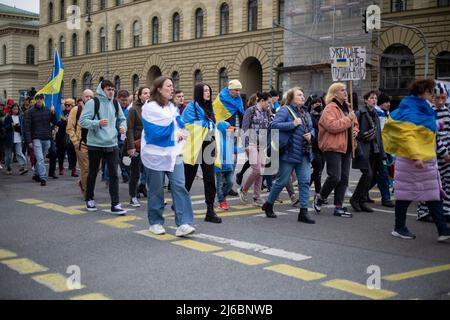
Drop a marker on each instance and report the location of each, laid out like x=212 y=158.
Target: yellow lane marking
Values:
x=83 y=206
x=163 y=237
x=30 y=201
x=55 y=281
x=24 y=266
x=200 y=211
x=295 y=272
x=241 y=257
x=91 y=296
x=198 y=196
x=4 y=254
x=244 y=206
x=416 y=273
x=58 y=208
x=359 y=289
x=120 y=223
x=236 y=213
x=195 y=245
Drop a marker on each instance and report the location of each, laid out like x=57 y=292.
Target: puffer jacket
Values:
x=38 y=124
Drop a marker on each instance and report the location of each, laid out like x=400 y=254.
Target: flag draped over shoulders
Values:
x=52 y=90
x=410 y=132
x=226 y=106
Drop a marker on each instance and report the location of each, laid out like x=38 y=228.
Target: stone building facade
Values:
x=19 y=38
x=190 y=40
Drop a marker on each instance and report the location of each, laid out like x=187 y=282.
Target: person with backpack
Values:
x=74 y=130
x=295 y=147
x=101 y=116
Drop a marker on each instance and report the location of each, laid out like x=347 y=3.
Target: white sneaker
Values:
x=90 y=206
x=184 y=230
x=243 y=195
x=134 y=202
x=348 y=193
x=117 y=209
x=294 y=201
x=157 y=229
x=258 y=202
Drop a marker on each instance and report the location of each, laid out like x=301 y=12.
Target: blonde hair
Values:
x=290 y=94
x=70 y=101
x=335 y=87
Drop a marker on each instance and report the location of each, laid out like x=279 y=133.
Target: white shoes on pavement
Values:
x=184 y=230
x=157 y=229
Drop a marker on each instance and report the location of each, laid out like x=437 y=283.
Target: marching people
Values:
x=296 y=133
x=178 y=100
x=63 y=143
x=101 y=116
x=318 y=162
x=134 y=133
x=122 y=99
x=443 y=151
x=38 y=135
x=338 y=127
x=161 y=149
x=200 y=147
x=410 y=134
x=13 y=125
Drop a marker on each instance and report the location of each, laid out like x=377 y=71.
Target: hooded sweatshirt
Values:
x=102 y=137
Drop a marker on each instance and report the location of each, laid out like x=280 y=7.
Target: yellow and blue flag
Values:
x=52 y=90
x=226 y=106
x=410 y=132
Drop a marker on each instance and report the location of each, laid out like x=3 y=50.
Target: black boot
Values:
x=211 y=215
x=364 y=207
x=303 y=216
x=355 y=205
x=268 y=209
x=142 y=189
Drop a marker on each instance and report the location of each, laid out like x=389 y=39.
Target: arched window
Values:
x=136 y=34
x=252 y=15
x=4 y=54
x=87 y=81
x=176 y=79
x=30 y=54
x=176 y=27
x=87 y=43
x=397 y=70
x=198 y=77
x=74 y=88
x=62 y=10
x=118 y=31
x=102 y=40
x=102 y=4
x=224 y=18
x=74 y=45
x=50 y=49
x=198 y=23
x=443 y=66
x=223 y=78
x=281 y=12
x=50 y=12
x=62 y=46
x=155 y=30
x=117 y=83
x=88 y=7
x=135 y=82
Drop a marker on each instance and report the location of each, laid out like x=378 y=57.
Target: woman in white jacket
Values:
x=161 y=148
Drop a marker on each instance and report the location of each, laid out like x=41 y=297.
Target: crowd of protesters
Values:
x=153 y=134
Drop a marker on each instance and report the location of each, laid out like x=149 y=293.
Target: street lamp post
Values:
x=89 y=24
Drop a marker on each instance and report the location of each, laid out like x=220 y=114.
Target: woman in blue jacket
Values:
x=295 y=126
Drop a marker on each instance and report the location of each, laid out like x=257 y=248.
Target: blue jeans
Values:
x=17 y=147
x=40 y=148
x=381 y=178
x=181 y=199
x=224 y=183
x=303 y=172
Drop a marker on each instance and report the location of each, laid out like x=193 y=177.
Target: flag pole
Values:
x=53 y=72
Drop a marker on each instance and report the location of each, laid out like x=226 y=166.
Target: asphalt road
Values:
x=46 y=234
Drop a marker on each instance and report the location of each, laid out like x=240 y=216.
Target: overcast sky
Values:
x=29 y=5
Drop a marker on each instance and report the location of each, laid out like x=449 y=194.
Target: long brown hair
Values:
x=155 y=95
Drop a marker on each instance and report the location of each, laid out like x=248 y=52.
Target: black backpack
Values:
x=84 y=132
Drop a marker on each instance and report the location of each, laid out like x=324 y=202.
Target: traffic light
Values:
x=364 y=21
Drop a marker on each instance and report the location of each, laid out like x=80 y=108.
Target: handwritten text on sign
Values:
x=348 y=63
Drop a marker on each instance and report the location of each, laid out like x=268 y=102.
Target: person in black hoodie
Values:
x=318 y=162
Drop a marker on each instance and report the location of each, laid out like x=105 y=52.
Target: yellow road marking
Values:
x=163 y=237
x=119 y=223
x=198 y=196
x=416 y=273
x=200 y=211
x=24 y=266
x=359 y=289
x=241 y=257
x=4 y=254
x=30 y=201
x=55 y=281
x=244 y=206
x=236 y=213
x=91 y=296
x=58 y=208
x=195 y=245
x=295 y=272
x=83 y=206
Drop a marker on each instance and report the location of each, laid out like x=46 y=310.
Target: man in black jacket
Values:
x=38 y=135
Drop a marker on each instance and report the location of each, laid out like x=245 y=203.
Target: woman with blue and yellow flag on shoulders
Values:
x=410 y=133
x=200 y=146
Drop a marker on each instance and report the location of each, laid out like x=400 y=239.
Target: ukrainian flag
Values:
x=342 y=62
x=410 y=132
x=52 y=90
x=226 y=106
